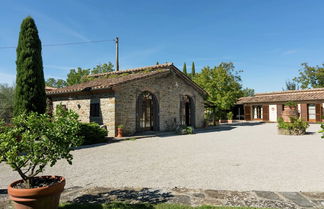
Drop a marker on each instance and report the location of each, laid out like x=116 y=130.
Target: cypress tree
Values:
x=184 y=69
x=30 y=84
x=193 y=69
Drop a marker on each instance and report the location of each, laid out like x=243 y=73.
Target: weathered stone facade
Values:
x=81 y=105
x=118 y=103
x=168 y=90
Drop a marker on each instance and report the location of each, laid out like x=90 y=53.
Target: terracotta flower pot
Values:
x=230 y=121
x=119 y=132
x=289 y=112
x=47 y=197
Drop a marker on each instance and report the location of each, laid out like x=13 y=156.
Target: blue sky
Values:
x=268 y=40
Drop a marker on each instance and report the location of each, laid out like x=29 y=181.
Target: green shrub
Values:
x=183 y=130
x=322 y=131
x=291 y=104
x=230 y=116
x=92 y=133
x=295 y=127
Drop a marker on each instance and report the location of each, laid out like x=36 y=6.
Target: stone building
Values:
x=153 y=98
x=269 y=106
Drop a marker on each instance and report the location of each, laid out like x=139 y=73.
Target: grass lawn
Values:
x=141 y=206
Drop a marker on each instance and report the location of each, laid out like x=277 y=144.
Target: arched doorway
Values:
x=147 y=112
x=187 y=111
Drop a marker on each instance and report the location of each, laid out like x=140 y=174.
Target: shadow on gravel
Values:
x=112 y=206
x=310 y=133
x=131 y=196
x=3 y=191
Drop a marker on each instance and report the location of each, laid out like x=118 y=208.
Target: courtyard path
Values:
x=239 y=158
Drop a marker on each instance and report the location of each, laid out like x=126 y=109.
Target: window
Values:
x=257 y=112
x=311 y=112
x=95 y=110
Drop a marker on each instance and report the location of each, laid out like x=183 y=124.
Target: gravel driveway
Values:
x=249 y=157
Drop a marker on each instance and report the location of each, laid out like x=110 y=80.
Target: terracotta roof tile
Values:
x=102 y=83
x=153 y=67
x=285 y=96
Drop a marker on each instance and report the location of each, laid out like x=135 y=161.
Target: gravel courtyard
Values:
x=238 y=157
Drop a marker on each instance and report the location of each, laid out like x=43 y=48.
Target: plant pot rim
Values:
x=39 y=191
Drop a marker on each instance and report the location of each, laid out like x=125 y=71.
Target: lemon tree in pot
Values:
x=28 y=146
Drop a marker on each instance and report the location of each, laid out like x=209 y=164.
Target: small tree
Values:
x=77 y=76
x=223 y=84
x=184 y=69
x=193 y=69
x=36 y=140
x=30 y=84
x=7 y=94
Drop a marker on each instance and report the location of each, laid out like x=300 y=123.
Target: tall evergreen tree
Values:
x=184 y=69
x=193 y=69
x=30 y=84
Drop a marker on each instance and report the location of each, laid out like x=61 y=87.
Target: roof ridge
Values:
x=151 y=67
x=290 y=91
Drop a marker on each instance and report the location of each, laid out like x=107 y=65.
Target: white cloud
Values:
x=288 y=52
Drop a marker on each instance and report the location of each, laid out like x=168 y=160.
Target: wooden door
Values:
x=318 y=109
x=279 y=110
x=265 y=109
x=303 y=112
x=247 y=112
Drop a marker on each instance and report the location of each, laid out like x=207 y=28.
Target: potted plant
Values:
x=28 y=146
x=290 y=111
x=229 y=117
x=120 y=131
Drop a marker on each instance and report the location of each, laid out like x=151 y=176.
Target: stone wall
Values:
x=168 y=88
x=81 y=105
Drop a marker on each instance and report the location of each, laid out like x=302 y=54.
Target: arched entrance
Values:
x=187 y=111
x=147 y=112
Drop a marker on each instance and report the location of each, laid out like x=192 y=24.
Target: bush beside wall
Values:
x=296 y=127
x=93 y=133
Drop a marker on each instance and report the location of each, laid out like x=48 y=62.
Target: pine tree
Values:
x=184 y=69
x=193 y=69
x=157 y=63
x=30 y=84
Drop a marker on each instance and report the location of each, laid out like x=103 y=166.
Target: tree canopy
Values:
x=104 y=68
x=290 y=85
x=223 y=84
x=30 y=84
x=79 y=75
x=56 y=83
x=310 y=77
x=247 y=92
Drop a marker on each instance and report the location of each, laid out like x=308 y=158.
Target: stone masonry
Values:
x=118 y=105
x=168 y=89
x=81 y=105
